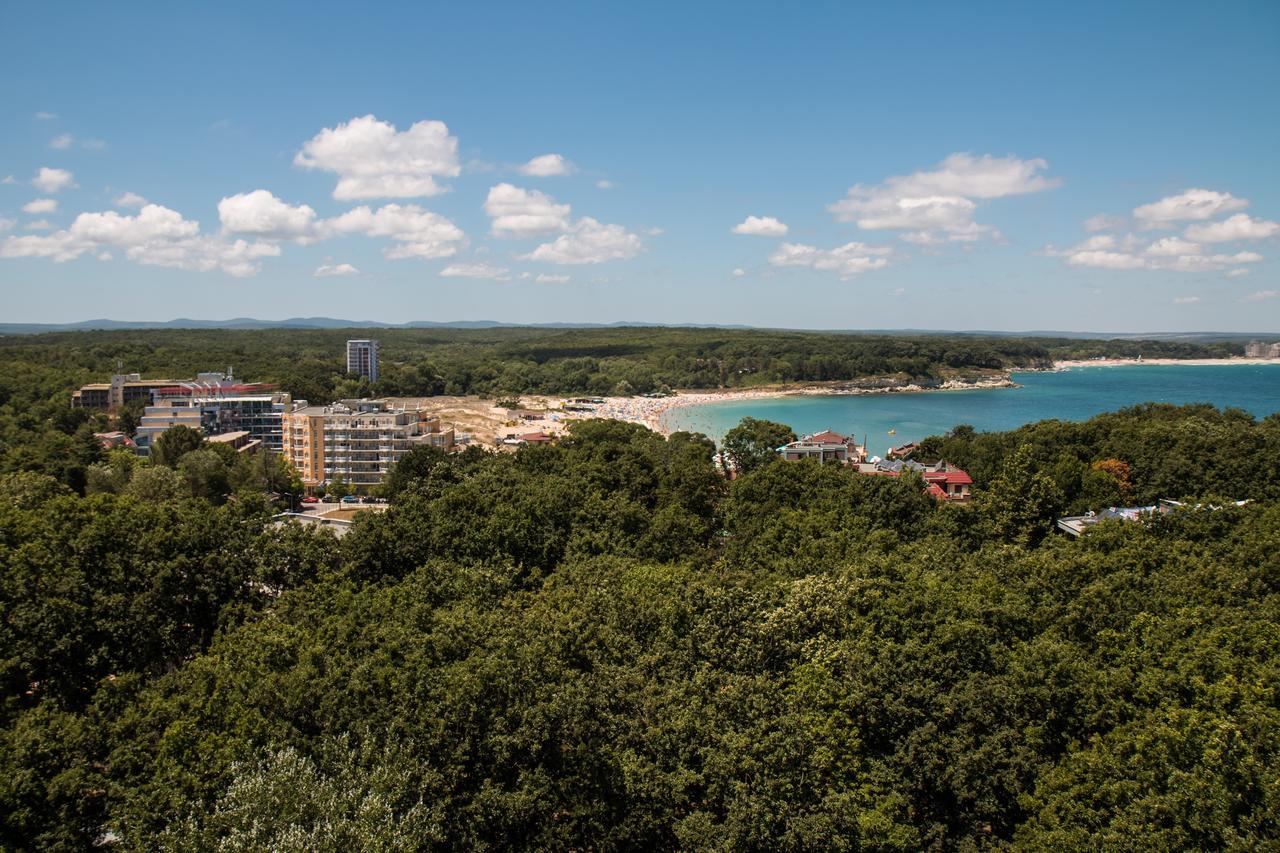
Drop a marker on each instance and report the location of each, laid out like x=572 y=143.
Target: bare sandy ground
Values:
x=1125 y=362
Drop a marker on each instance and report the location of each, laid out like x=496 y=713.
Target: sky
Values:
x=1007 y=166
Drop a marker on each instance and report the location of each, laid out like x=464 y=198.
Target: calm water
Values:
x=1076 y=394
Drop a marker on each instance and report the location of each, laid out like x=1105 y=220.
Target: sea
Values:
x=1072 y=394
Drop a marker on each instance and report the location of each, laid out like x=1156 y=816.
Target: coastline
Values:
x=1132 y=362
x=651 y=412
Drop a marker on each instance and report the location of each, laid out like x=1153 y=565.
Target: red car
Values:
x=311 y=499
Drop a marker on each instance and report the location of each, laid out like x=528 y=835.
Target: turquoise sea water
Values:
x=1075 y=394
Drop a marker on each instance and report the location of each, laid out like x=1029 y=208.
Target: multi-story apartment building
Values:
x=1262 y=349
x=362 y=358
x=123 y=388
x=356 y=440
x=259 y=414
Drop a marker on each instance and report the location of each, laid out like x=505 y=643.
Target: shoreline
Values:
x=1161 y=362
x=651 y=412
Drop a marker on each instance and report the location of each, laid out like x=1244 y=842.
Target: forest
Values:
x=603 y=644
x=309 y=363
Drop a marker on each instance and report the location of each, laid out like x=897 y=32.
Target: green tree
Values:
x=174 y=443
x=1021 y=504
x=754 y=442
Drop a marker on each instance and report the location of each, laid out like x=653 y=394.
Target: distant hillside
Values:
x=335 y=323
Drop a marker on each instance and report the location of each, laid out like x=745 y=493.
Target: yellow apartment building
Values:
x=357 y=440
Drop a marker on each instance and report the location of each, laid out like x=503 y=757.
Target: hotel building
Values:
x=356 y=440
x=362 y=358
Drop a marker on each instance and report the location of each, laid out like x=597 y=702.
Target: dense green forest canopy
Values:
x=602 y=644
x=310 y=363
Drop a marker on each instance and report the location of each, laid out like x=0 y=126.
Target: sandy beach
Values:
x=1128 y=362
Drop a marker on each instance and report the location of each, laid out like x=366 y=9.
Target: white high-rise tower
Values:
x=362 y=358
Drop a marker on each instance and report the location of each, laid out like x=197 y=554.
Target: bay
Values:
x=1073 y=394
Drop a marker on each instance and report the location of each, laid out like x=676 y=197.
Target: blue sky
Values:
x=934 y=165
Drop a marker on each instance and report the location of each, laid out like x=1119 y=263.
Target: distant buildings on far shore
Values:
x=362 y=358
x=1262 y=349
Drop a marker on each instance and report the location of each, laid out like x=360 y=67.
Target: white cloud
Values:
x=1185 y=300
x=942 y=199
x=1238 y=273
x=739 y=272
x=7 y=224
x=93 y=144
x=157 y=236
x=1238 y=227
x=762 y=226
x=605 y=184
x=1106 y=260
x=418 y=233
x=39 y=225
x=329 y=270
x=1207 y=263
x=549 y=278
x=899 y=291
x=62 y=142
x=588 y=242
x=128 y=199
x=1192 y=204
x=372 y=160
x=518 y=212
x=1102 y=222
x=848 y=260
x=9 y=179
x=1171 y=246
x=1260 y=295
x=547 y=166
x=476 y=271
x=261 y=214
x=43 y=116
x=41 y=205
x=51 y=180
x=104 y=256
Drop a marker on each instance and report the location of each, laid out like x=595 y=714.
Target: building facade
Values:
x=825 y=447
x=356 y=440
x=1262 y=349
x=362 y=358
x=123 y=388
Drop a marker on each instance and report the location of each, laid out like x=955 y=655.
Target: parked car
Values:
x=350 y=499
x=311 y=499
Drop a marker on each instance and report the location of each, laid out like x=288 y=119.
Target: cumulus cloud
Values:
x=1238 y=227
x=39 y=225
x=1192 y=204
x=330 y=270
x=476 y=271
x=52 y=180
x=762 y=226
x=1260 y=295
x=62 y=142
x=588 y=242
x=8 y=179
x=418 y=233
x=550 y=278
x=1105 y=251
x=128 y=199
x=156 y=236
x=1238 y=273
x=518 y=212
x=1185 y=300
x=1102 y=222
x=739 y=272
x=373 y=160
x=261 y=214
x=942 y=199
x=41 y=205
x=1172 y=246
x=547 y=166
x=847 y=261
x=604 y=184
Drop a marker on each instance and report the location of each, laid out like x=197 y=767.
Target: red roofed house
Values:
x=955 y=484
